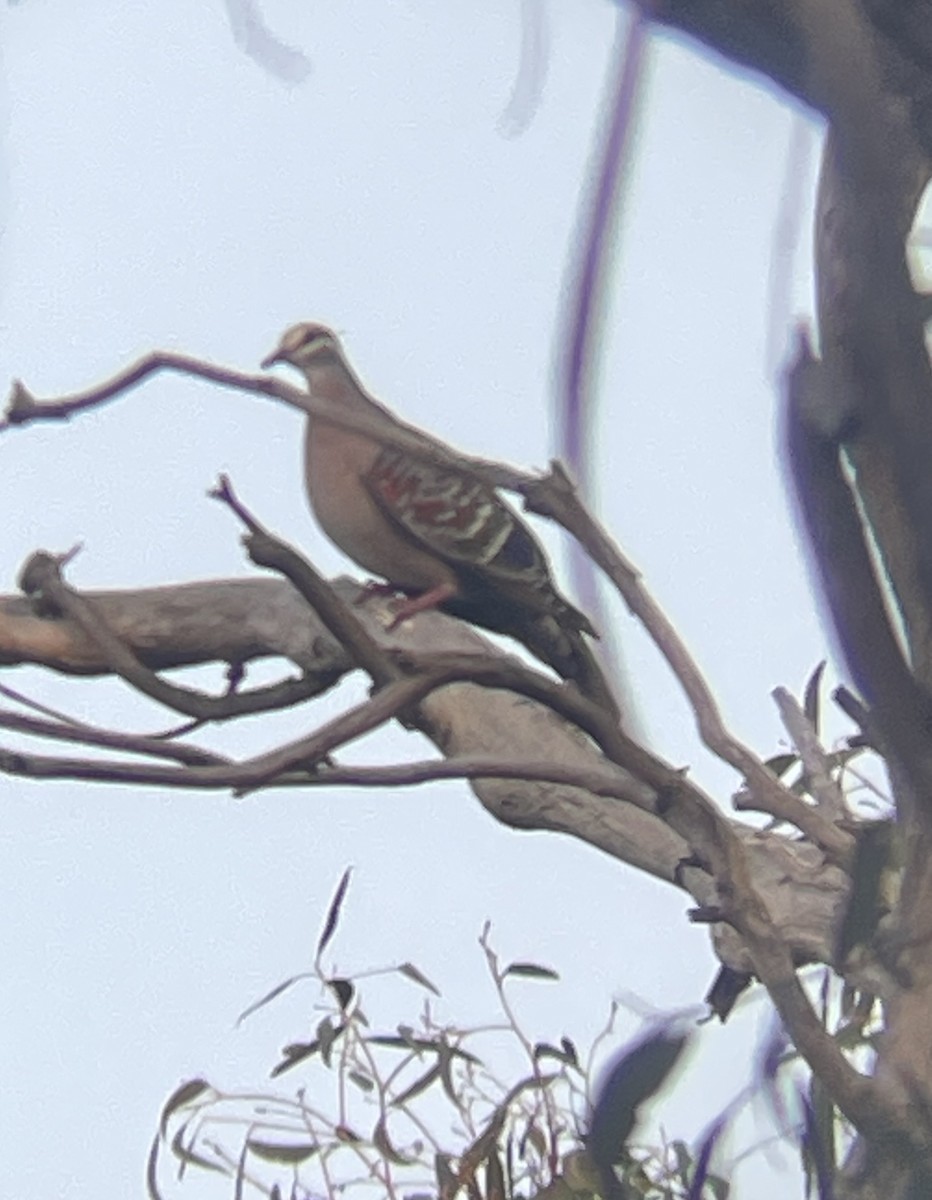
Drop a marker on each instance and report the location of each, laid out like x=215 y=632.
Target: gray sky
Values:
x=161 y=189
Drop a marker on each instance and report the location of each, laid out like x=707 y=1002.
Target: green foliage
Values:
x=421 y=1111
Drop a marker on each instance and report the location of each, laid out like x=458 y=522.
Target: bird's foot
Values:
x=432 y=598
x=372 y=588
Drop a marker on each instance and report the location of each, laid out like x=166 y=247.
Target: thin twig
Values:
x=556 y=497
x=266 y=550
x=825 y=791
x=53 y=713
x=23 y=409
x=89 y=735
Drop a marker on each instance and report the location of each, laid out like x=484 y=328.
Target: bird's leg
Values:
x=432 y=598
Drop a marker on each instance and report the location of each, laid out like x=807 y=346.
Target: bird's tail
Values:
x=566 y=649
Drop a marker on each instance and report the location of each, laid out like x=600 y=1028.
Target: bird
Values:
x=435 y=533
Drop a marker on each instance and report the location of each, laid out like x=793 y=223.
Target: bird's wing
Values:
x=465 y=524
x=504 y=578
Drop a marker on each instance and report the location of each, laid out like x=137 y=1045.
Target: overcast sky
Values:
x=162 y=188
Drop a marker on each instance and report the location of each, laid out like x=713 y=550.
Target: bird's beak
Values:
x=270 y=359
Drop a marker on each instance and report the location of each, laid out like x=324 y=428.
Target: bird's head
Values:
x=305 y=346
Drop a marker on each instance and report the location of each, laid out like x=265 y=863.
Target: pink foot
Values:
x=432 y=598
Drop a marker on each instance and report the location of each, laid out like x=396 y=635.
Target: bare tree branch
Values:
x=268 y=551
x=41 y=579
x=824 y=789
x=82 y=734
x=769 y=793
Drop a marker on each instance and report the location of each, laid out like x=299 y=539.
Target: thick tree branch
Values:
x=839 y=551
x=41 y=579
x=769 y=37
x=232 y=621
